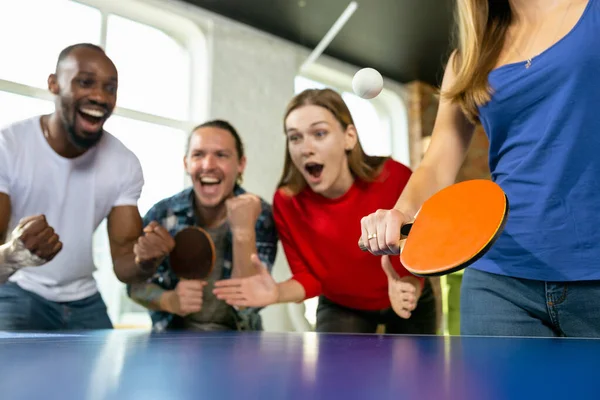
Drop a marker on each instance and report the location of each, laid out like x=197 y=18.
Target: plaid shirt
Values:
x=177 y=212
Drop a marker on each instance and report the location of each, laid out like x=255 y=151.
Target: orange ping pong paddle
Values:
x=453 y=228
x=193 y=256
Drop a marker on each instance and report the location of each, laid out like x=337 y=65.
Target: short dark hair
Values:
x=67 y=50
x=221 y=124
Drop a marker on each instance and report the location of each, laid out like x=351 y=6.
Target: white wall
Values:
x=251 y=79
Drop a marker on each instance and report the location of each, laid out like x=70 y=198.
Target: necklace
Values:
x=45 y=130
x=529 y=60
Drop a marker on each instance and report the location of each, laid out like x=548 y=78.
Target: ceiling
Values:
x=405 y=40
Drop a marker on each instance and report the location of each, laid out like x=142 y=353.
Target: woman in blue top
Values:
x=528 y=72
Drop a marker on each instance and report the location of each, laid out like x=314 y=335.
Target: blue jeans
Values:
x=21 y=310
x=497 y=305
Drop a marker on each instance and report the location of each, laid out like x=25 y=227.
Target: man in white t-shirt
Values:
x=60 y=176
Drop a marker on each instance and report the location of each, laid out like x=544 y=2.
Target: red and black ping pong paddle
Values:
x=453 y=228
x=193 y=256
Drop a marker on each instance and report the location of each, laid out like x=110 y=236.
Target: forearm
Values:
x=423 y=183
x=290 y=291
x=244 y=245
x=149 y=295
x=130 y=272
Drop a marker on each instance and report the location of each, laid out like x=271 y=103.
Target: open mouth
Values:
x=92 y=117
x=314 y=169
x=209 y=181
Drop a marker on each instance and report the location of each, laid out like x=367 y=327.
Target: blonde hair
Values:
x=482 y=26
x=361 y=165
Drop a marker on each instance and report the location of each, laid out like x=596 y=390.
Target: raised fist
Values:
x=32 y=243
x=243 y=212
x=153 y=246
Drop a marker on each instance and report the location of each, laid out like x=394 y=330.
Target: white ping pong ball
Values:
x=367 y=83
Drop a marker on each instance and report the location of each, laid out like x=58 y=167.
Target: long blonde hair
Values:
x=482 y=26
x=361 y=165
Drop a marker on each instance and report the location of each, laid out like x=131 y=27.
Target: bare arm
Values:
x=242 y=213
x=244 y=245
x=4 y=216
x=450 y=140
x=124 y=228
x=148 y=295
x=290 y=291
x=5 y=271
x=185 y=299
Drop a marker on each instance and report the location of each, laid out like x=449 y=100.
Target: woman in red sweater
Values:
x=328 y=184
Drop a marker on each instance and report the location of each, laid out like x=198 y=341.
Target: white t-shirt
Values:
x=75 y=195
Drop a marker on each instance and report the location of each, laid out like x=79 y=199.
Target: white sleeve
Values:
x=132 y=183
x=6 y=163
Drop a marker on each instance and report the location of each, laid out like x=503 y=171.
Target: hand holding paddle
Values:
x=153 y=246
x=404 y=292
x=381 y=232
x=453 y=228
x=258 y=290
x=185 y=299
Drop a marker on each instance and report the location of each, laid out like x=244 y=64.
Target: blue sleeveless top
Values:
x=543 y=125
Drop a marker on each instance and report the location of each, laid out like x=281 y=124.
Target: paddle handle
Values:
x=404 y=231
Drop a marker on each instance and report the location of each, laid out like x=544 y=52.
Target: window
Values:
x=16 y=107
x=156 y=91
x=59 y=23
x=157 y=79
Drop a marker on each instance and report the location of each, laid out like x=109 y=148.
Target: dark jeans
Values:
x=497 y=305
x=22 y=310
x=332 y=317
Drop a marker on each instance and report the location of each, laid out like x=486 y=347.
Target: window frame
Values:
x=187 y=34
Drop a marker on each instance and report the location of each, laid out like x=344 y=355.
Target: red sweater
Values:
x=320 y=240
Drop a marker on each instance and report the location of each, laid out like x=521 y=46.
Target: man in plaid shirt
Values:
x=239 y=223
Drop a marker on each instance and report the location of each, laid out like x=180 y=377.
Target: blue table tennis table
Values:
x=133 y=365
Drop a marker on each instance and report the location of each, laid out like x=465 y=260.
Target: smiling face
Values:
x=318 y=146
x=213 y=164
x=86 y=88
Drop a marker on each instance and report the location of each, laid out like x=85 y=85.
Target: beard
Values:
x=82 y=142
x=79 y=141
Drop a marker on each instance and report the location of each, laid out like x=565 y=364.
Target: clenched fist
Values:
x=243 y=212
x=32 y=243
x=153 y=246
